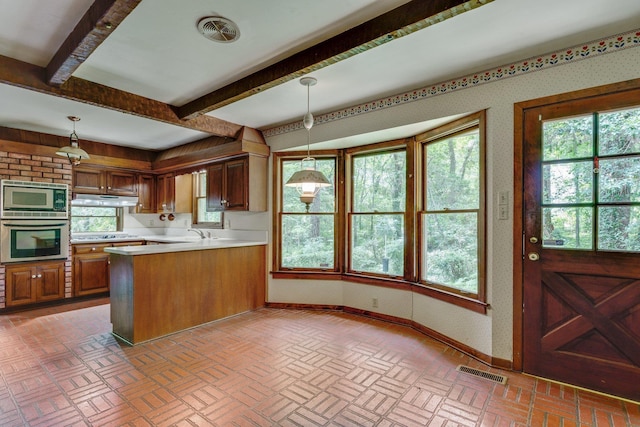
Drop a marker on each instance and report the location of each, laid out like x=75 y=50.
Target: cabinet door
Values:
x=122 y=183
x=50 y=281
x=146 y=194
x=91 y=273
x=215 y=190
x=20 y=285
x=235 y=185
x=165 y=192
x=88 y=181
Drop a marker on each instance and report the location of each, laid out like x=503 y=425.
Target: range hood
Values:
x=103 y=200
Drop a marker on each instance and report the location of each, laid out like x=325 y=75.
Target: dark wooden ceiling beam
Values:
x=94 y=27
x=410 y=17
x=28 y=76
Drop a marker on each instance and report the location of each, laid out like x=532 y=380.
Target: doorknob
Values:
x=533 y=256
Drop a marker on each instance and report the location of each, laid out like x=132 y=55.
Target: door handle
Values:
x=533 y=256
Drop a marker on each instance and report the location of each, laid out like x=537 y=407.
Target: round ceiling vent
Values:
x=219 y=29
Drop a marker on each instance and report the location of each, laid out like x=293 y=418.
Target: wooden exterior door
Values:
x=581 y=242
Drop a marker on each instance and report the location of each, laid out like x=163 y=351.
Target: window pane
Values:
x=567 y=228
x=567 y=138
x=451 y=250
x=323 y=202
x=619 y=228
x=378 y=244
x=379 y=182
x=619 y=132
x=307 y=241
x=204 y=216
x=90 y=219
x=619 y=180
x=567 y=182
x=453 y=173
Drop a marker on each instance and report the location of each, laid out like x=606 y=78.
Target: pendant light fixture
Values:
x=73 y=152
x=308 y=181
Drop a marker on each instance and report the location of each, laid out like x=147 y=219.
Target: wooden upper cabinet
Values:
x=88 y=181
x=104 y=181
x=122 y=183
x=238 y=184
x=146 y=194
x=215 y=187
x=165 y=192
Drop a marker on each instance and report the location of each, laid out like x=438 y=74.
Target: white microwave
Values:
x=33 y=200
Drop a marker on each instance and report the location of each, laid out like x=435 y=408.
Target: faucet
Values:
x=200 y=232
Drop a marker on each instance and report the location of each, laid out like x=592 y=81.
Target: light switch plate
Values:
x=503 y=198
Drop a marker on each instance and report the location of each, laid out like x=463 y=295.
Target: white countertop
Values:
x=192 y=245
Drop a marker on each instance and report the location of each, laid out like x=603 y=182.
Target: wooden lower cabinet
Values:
x=30 y=283
x=91 y=267
x=153 y=295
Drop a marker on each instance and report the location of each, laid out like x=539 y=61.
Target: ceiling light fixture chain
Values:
x=308 y=181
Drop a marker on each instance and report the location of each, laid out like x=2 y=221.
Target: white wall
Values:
x=490 y=334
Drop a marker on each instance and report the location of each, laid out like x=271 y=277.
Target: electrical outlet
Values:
x=227 y=223
x=374 y=302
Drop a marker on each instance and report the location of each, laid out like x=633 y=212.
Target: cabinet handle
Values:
x=93 y=249
x=39 y=275
x=108 y=188
x=102 y=187
x=33 y=276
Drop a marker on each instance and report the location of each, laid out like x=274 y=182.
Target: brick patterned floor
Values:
x=62 y=367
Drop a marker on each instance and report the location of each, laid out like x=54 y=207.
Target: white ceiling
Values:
x=157 y=52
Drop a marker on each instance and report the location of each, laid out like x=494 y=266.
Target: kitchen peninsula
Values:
x=157 y=290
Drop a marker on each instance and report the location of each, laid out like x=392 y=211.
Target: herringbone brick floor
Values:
x=62 y=367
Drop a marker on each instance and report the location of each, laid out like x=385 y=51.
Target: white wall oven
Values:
x=26 y=199
x=33 y=240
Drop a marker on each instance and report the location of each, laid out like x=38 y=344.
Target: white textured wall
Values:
x=490 y=334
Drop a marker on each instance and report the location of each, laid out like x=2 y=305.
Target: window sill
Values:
x=439 y=294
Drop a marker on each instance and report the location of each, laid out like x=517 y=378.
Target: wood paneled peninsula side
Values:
x=157 y=290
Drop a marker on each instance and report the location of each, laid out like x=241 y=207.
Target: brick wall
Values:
x=28 y=167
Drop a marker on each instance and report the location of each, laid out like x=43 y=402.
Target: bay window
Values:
x=407 y=213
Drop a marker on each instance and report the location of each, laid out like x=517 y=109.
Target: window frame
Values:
x=119 y=219
x=372 y=150
x=278 y=214
x=455 y=128
x=196 y=183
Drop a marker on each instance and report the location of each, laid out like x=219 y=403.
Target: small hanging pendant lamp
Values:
x=308 y=181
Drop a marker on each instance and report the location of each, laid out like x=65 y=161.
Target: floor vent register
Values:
x=500 y=379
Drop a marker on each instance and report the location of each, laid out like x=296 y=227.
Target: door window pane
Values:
x=619 y=228
x=567 y=138
x=567 y=228
x=453 y=172
x=307 y=241
x=451 y=250
x=619 y=132
x=377 y=244
x=619 y=180
x=567 y=182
